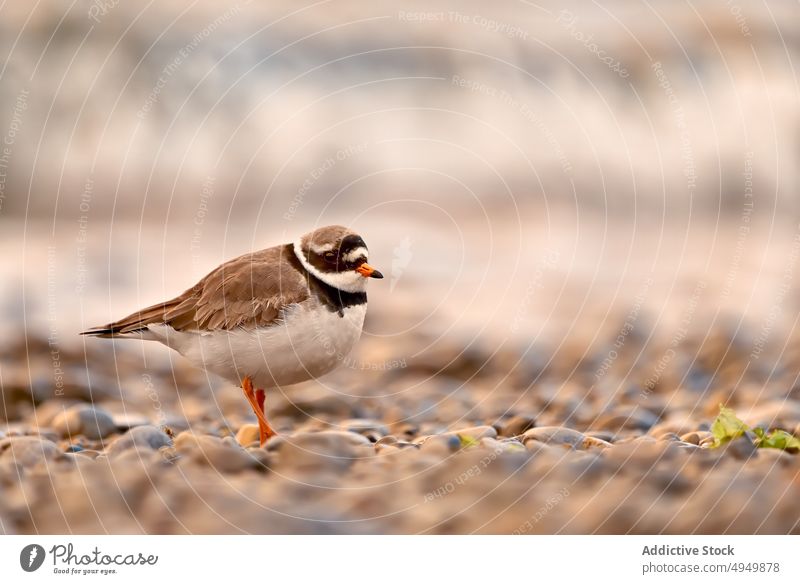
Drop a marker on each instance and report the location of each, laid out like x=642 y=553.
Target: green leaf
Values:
x=778 y=439
x=467 y=441
x=727 y=427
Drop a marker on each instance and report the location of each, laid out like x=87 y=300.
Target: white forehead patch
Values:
x=353 y=255
x=320 y=249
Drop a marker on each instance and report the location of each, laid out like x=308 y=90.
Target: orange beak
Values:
x=368 y=271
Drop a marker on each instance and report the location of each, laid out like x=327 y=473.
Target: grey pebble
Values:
x=141 y=437
x=365 y=427
x=28 y=450
x=94 y=423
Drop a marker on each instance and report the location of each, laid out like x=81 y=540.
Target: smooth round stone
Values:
x=556 y=435
x=327 y=452
x=517 y=425
x=535 y=446
x=260 y=458
x=475 y=433
x=326 y=442
x=134 y=458
x=29 y=450
x=224 y=455
x=365 y=427
x=696 y=437
x=707 y=441
x=512 y=444
x=248 y=434
x=627 y=419
x=80 y=461
x=275 y=442
x=44 y=433
x=669 y=437
x=742 y=448
x=93 y=423
x=45 y=413
x=177 y=423
x=393 y=442
x=130 y=420
x=406 y=429
x=496 y=447
x=603 y=435
x=86 y=453
x=138 y=438
x=439 y=444
x=454 y=440
x=679 y=426
x=386 y=441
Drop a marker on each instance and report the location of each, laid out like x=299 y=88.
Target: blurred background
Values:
x=471 y=143
x=533 y=178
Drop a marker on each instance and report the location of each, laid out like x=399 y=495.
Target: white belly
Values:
x=307 y=344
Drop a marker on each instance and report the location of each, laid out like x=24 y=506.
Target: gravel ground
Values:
x=478 y=439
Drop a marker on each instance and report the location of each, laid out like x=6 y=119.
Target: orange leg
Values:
x=256 y=400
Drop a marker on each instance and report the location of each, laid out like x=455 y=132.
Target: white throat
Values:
x=350 y=281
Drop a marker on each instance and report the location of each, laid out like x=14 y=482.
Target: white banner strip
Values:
x=388 y=559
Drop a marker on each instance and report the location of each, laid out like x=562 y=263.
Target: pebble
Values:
x=321 y=455
x=386 y=441
x=44 y=414
x=328 y=442
x=475 y=433
x=696 y=437
x=128 y=420
x=517 y=425
x=28 y=450
x=680 y=427
x=138 y=438
x=442 y=444
x=626 y=418
x=603 y=435
x=94 y=423
x=742 y=448
x=224 y=455
x=365 y=427
x=248 y=434
x=555 y=435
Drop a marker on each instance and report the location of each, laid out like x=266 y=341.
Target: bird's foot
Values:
x=256 y=399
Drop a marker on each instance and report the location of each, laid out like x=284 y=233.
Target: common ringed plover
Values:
x=270 y=318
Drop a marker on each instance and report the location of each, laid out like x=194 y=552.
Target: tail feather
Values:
x=137 y=322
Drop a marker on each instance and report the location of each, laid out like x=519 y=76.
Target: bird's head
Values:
x=337 y=256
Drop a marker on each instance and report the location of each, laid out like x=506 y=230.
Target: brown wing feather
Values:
x=248 y=291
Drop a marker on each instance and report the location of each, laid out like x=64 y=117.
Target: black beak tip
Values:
x=377 y=275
